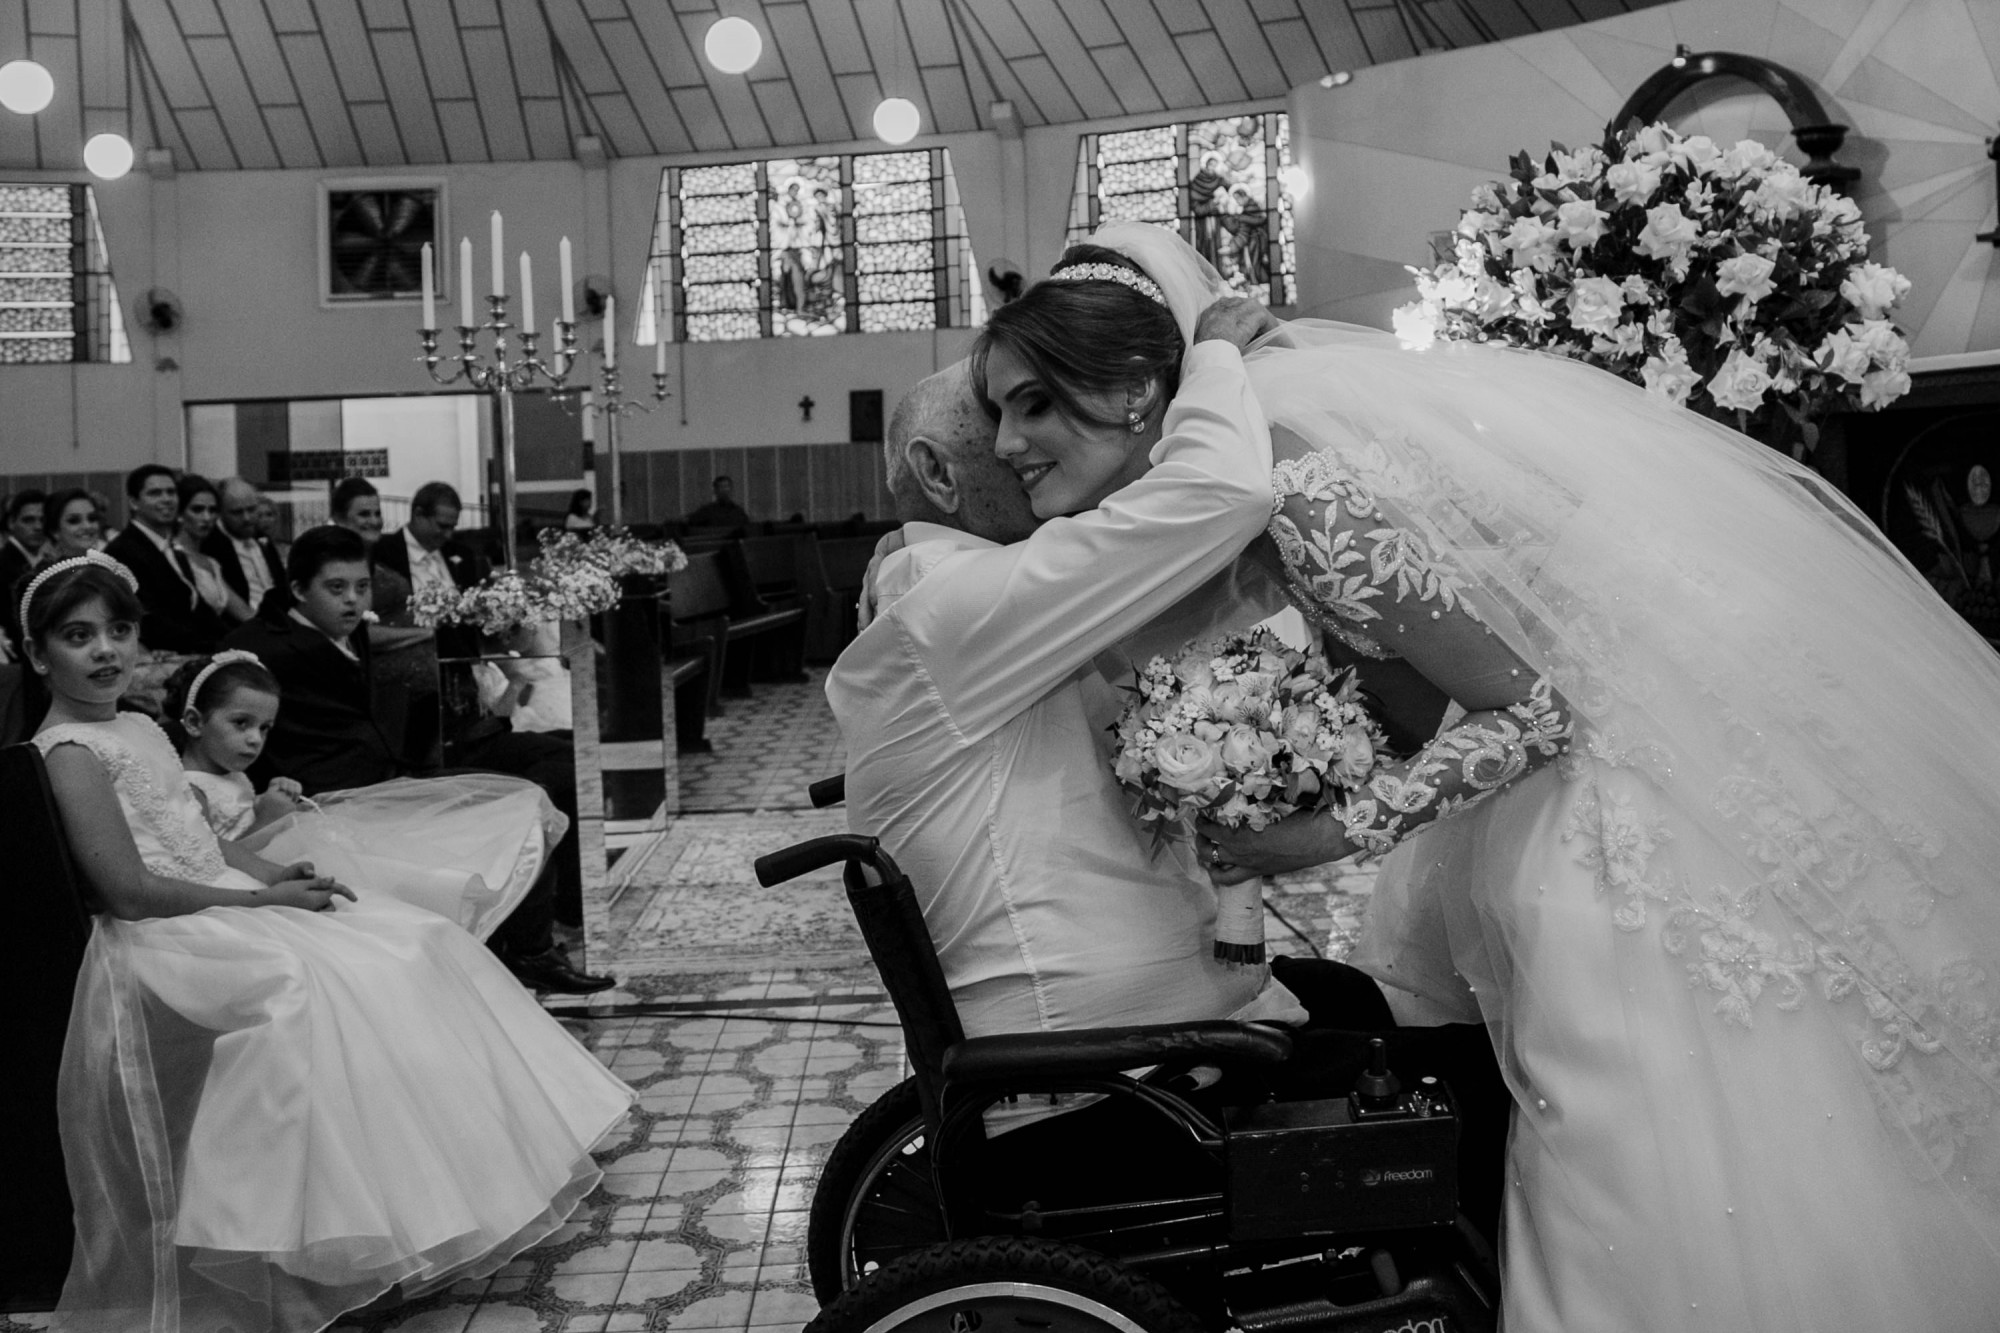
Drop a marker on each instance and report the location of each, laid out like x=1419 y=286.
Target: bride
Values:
x=1710 y=848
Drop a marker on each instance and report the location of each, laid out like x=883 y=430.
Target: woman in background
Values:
x=201 y=509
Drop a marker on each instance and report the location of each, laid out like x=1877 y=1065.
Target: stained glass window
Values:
x=805 y=246
x=1220 y=183
x=57 y=300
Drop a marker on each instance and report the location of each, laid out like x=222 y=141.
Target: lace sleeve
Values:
x=1342 y=546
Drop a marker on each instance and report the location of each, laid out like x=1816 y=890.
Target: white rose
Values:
x=1842 y=354
x=1741 y=382
x=1415 y=325
x=1244 y=748
x=1188 y=762
x=1873 y=288
x=1748 y=276
x=1638 y=291
x=1532 y=242
x=1669 y=234
x=1477 y=223
x=1698 y=152
x=1747 y=155
x=1783 y=193
x=1668 y=374
x=1882 y=387
x=1487 y=198
x=1633 y=182
x=1357 y=757
x=1581 y=223
x=1886 y=347
x=1626 y=341
x=1595 y=304
x=1651 y=141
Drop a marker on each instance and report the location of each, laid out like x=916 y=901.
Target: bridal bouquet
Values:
x=573 y=577
x=1721 y=279
x=1243 y=730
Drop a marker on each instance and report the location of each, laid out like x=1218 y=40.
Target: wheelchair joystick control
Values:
x=1376 y=1089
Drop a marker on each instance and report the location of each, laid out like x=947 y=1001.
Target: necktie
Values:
x=186 y=573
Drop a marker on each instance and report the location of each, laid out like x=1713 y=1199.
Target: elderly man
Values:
x=250 y=562
x=975 y=722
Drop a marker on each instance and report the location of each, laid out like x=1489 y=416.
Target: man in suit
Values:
x=426 y=550
x=327 y=737
x=20 y=555
x=177 y=619
x=250 y=562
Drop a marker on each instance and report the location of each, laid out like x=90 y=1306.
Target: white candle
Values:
x=499 y=259
x=465 y=282
x=568 y=284
x=611 y=333
x=659 y=348
x=430 y=305
x=527 y=294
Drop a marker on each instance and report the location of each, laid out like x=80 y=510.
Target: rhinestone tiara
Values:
x=74 y=562
x=1117 y=273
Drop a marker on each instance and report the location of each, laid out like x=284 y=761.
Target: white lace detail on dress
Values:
x=192 y=852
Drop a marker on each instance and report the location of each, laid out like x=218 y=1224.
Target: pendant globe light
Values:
x=733 y=45
x=897 y=120
x=108 y=156
x=25 y=87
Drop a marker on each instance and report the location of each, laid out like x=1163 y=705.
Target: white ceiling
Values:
x=252 y=84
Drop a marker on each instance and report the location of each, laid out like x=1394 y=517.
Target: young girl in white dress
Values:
x=280 y=1098
x=467 y=846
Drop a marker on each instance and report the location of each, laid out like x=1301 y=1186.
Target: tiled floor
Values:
x=766 y=1035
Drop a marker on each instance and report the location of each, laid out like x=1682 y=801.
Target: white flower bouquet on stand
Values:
x=573 y=577
x=1243 y=729
x=1720 y=279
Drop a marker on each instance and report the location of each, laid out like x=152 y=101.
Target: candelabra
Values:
x=611 y=406
x=503 y=378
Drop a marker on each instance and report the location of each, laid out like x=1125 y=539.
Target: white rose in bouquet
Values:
x=1873 y=289
x=1741 y=383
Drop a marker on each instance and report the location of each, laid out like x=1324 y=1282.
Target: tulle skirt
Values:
x=272 y=1116
x=467 y=846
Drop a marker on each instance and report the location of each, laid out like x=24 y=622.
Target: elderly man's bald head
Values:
x=941 y=465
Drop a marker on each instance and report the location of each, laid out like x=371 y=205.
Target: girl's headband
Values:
x=227 y=657
x=1117 y=273
x=74 y=562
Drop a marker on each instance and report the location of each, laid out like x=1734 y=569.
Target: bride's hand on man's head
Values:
x=1235 y=319
x=1296 y=842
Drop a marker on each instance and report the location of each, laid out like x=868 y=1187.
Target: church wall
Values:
x=1395 y=154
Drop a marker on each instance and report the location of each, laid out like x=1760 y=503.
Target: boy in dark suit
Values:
x=326 y=736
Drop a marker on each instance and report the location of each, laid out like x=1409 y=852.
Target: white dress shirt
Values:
x=427 y=568
x=256 y=570
x=974 y=723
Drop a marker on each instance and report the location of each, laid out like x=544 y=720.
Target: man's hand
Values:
x=892 y=542
x=314 y=894
x=1296 y=842
x=1235 y=319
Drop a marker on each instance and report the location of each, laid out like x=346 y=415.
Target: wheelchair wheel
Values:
x=1005 y=1282
x=874 y=1201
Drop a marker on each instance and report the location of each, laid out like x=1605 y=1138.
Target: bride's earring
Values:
x=1138 y=422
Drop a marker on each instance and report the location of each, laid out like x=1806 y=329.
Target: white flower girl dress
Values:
x=467 y=846
x=272 y=1116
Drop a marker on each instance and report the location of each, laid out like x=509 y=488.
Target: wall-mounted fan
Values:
x=158 y=311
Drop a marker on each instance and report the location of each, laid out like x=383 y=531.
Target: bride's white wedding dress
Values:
x=1738 y=947
x=271 y=1116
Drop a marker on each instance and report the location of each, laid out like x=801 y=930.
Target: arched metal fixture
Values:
x=1816 y=135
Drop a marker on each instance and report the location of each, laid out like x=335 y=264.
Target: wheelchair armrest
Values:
x=1098 y=1051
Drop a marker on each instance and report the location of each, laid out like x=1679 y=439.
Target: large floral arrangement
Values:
x=1721 y=279
x=1243 y=730
x=573 y=576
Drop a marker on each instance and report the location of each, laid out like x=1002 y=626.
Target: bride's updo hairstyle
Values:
x=57 y=598
x=1087 y=336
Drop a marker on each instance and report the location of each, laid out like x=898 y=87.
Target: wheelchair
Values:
x=1338 y=1214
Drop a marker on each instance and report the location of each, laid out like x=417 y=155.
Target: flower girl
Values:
x=279 y=1099
x=466 y=846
